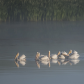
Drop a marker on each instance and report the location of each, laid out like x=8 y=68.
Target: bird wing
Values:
x=44 y=58
x=22 y=57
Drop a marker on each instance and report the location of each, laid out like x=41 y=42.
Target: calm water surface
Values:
x=28 y=38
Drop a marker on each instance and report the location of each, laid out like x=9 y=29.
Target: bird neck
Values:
x=37 y=56
x=49 y=54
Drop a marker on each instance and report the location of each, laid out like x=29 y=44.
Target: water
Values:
x=28 y=38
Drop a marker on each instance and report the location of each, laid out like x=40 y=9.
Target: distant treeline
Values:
x=41 y=10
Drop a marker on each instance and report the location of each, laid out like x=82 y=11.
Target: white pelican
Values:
x=64 y=55
x=74 y=55
x=21 y=58
x=61 y=57
x=42 y=57
x=54 y=56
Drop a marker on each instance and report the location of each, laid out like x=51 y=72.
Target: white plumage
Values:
x=64 y=55
x=61 y=57
x=23 y=57
x=74 y=55
x=55 y=56
x=45 y=57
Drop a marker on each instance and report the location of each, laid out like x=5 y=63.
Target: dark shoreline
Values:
x=41 y=10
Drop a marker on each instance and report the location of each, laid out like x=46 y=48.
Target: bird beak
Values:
x=70 y=52
x=58 y=53
x=16 y=56
x=49 y=54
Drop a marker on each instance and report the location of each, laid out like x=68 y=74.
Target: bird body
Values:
x=61 y=56
x=55 y=56
x=45 y=57
x=64 y=55
x=42 y=57
x=74 y=55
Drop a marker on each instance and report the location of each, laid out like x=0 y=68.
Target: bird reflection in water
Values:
x=71 y=62
x=59 y=62
x=62 y=58
x=38 y=63
x=54 y=61
x=74 y=62
x=20 y=62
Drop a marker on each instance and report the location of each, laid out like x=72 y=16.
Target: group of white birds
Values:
x=60 y=55
x=62 y=58
x=41 y=58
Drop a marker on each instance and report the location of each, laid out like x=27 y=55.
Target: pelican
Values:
x=74 y=55
x=21 y=58
x=64 y=55
x=42 y=57
x=61 y=57
x=54 y=56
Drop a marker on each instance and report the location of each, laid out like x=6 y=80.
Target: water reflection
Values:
x=38 y=64
x=20 y=62
x=71 y=62
x=54 y=61
x=59 y=62
x=74 y=61
x=43 y=63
